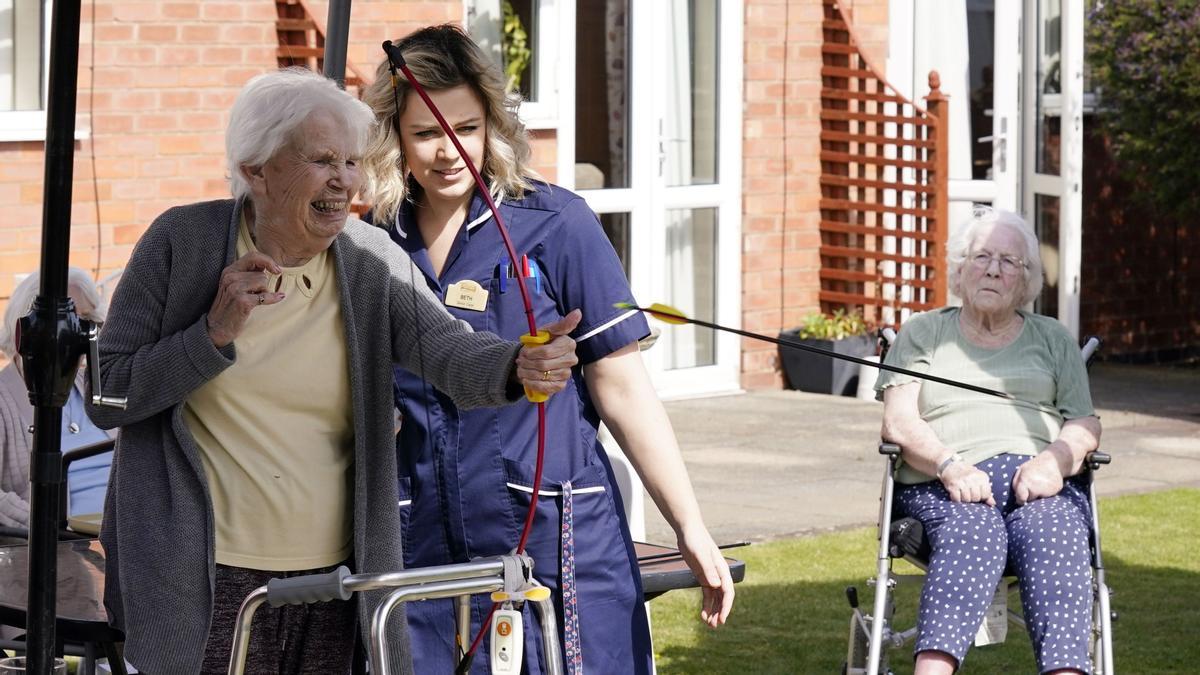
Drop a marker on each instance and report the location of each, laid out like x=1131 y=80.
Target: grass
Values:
x=791 y=614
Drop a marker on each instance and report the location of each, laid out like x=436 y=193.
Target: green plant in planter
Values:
x=841 y=332
x=839 y=325
x=515 y=45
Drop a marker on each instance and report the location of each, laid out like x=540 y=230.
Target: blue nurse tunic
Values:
x=466 y=476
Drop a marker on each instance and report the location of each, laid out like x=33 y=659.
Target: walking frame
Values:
x=507 y=576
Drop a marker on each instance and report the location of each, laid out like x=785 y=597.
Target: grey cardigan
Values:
x=154 y=349
x=16 y=442
x=16 y=418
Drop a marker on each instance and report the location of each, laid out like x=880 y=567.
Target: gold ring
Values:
x=545 y=376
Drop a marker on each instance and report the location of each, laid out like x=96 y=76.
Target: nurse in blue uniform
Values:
x=466 y=476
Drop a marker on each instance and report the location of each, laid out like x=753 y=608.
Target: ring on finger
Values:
x=262 y=298
x=545 y=376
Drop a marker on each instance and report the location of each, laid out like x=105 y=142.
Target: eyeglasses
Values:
x=1008 y=263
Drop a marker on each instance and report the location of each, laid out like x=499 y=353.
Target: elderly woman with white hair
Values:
x=991 y=479
x=254 y=338
x=88 y=478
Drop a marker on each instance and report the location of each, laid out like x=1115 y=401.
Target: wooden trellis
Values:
x=883 y=186
x=302 y=42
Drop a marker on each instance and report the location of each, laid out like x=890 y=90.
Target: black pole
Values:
x=337 y=36
x=50 y=344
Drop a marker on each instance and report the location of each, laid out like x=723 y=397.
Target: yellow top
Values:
x=275 y=429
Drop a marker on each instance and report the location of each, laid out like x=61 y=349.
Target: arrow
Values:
x=669 y=314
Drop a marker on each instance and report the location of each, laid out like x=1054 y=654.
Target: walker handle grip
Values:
x=308 y=589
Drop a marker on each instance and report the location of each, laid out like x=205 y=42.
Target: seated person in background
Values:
x=988 y=477
x=88 y=478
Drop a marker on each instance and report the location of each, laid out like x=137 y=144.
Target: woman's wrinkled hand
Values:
x=243 y=287
x=1038 y=478
x=968 y=484
x=711 y=569
x=547 y=368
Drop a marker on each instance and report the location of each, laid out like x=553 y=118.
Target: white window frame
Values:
x=544 y=113
x=30 y=125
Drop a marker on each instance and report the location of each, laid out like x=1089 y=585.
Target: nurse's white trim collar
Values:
x=483 y=218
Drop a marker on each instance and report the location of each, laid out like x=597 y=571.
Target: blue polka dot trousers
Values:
x=1044 y=543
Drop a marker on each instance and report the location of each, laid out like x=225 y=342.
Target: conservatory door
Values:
x=1052 y=152
x=1014 y=74
x=657 y=154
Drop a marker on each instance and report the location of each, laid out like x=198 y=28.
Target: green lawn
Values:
x=791 y=614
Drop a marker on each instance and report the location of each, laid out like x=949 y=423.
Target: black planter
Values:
x=820 y=374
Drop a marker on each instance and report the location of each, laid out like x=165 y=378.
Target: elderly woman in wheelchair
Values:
x=994 y=481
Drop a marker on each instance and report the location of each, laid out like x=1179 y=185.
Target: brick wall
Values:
x=781 y=167
x=156 y=81
x=1140 y=283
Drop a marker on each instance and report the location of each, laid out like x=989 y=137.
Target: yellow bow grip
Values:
x=540 y=339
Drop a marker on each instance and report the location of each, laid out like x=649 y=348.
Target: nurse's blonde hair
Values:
x=443 y=57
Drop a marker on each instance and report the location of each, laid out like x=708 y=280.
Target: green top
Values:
x=1042 y=368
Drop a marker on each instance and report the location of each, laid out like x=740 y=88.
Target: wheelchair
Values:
x=872 y=635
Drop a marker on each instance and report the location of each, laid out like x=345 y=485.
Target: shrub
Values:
x=1145 y=59
x=818 y=326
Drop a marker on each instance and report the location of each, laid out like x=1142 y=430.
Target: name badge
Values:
x=467 y=294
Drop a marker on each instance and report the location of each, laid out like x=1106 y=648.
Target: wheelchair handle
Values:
x=309 y=589
x=1089 y=349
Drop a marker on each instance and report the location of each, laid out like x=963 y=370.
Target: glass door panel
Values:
x=602 y=93
x=660 y=161
x=1053 y=155
x=1045 y=222
x=690 y=124
x=691 y=269
x=616 y=226
x=1049 y=87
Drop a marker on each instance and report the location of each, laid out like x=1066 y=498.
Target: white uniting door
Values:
x=1014 y=73
x=1052 y=147
x=657 y=139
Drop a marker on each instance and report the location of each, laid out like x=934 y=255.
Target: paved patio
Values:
x=772 y=464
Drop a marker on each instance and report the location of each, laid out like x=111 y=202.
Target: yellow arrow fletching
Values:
x=667 y=313
x=658 y=310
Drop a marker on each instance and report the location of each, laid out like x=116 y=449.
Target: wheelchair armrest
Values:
x=74 y=456
x=87 y=451
x=889 y=449
x=1095 y=458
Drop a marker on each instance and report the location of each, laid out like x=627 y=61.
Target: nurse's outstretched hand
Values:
x=546 y=368
x=711 y=569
